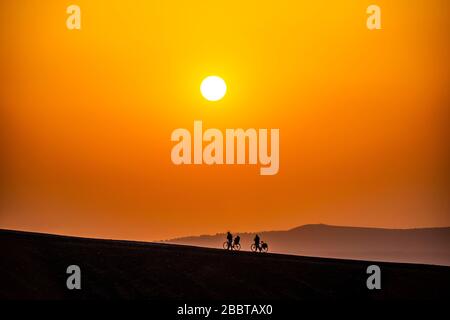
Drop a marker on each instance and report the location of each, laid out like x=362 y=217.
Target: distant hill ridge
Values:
x=418 y=245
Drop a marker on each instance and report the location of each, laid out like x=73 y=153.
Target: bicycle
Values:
x=263 y=247
x=232 y=246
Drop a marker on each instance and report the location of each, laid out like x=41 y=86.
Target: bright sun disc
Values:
x=213 y=88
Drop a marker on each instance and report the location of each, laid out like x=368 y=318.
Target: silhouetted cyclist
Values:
x=229 y=239
x=257 y=241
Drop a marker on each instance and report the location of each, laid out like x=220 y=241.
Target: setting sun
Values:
x=213 y=88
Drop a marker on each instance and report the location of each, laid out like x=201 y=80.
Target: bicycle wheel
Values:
x=253 y=247
x=265 y=248
x=237 y=247
x=225 y=245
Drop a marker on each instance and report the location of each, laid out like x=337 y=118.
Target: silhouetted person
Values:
x=236 y=240
x=257 y=241
x=229 y=239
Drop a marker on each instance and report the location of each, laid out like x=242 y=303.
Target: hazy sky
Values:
x=86 y=115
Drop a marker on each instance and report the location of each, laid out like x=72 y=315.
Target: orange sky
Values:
x=86 y=115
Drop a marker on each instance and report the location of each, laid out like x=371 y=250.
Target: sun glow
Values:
x=213 y=88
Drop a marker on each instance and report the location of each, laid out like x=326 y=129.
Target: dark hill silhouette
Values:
x=425 y=245
x=33 y=267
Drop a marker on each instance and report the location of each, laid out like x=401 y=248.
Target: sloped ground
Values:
x=33 y=266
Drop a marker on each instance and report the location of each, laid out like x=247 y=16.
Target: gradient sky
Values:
x=86 y=116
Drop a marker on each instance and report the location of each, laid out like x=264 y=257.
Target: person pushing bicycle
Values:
x=257 y=242
x=229 y=240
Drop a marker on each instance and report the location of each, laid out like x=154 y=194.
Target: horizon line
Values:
x=215 y=234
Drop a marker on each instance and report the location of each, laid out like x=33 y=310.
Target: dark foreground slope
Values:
x=33 y=266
